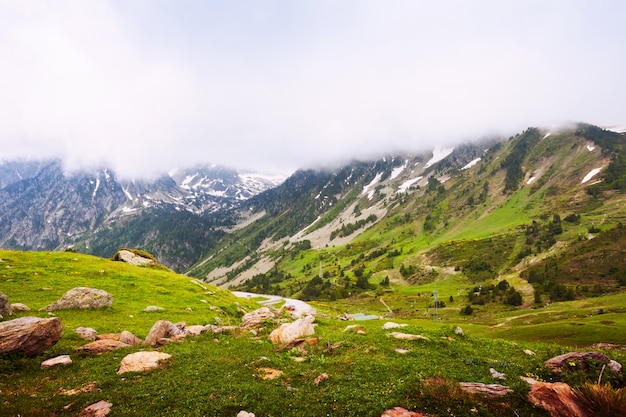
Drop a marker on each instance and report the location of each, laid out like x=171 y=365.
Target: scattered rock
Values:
x=153 y=308
x=129 y=338
x=320 y=378
x=59 y=360
x=256 y=318
x=99 y=409
x=557 y=398
x=195 y=330
x=160 y=330
x=31 y=335
x=402 y=351
x=392 y=325
x=133 y=258
x=408 y=336
x=101 y=346
x=529 y=352
x=289 y=332
x=82 y=298
x=19 y=307
x=614 y=366
x=221 y=329
x=87 y=333
x=5 y=307
x=401 y=412
x=108 y=336
x=458 y=331
x=488 y=390
x=269 y=373
x=90 y=387
x=243 y=413
x=581 y=359
x=496 y=374
x=355 y=328
x=142 y=361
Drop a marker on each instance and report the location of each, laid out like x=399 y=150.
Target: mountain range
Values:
x=483 y=209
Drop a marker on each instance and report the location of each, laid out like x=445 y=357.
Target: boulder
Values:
x=581 y=359
x=133 y=258
x=99 y=409
x=142 y=361
x=5 y=307
x=160 y=330
x=31 y=335
x=59 y=360
x=256 y=318
x=289 y=332
x=87 y=333
x=488 y=390
x=19 y=307
x=195 y=330
x=558 y=398
x=82 y=298
x=129 y=338
x=101 y=346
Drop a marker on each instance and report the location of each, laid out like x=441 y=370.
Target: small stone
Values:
x=59 y=360
x=401 y=412
x=402 y=351
x=408 y=336
x=320 y=378
x=269 y=373
x=496 y=374
x=458 y=331
x=19 y=307
x=99 y=409
x=153 y=308
x=529 y=352
x=87 y=333
x=101 y=346
x=243 y=413
x=488 y=390
x=391 y=325
x=130 y=339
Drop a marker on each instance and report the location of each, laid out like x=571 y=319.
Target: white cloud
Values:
x=147 y=86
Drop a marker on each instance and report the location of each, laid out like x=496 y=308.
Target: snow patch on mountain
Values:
x=397 y=171
x=591 y=148
x=471 y=163
x=368 y=188
x=591 y=174
x=406 y=184
x=438 y=155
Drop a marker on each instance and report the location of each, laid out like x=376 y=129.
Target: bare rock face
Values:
x=142 y=361
x=289 y=332
x=31 y=335
x=581 y=359
x=160 y=330
x=132 y=258
x=101 y=346
x=255 y=318
x=82 y=298
x=5 y=307
x=557 y=398
x=59 y=360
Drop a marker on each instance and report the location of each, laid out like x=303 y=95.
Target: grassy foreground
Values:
x=368 y=371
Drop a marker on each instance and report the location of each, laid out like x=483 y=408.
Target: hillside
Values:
x=344 y=369
x=471 y=215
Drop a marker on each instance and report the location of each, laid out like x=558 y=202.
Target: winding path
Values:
x=300 y=307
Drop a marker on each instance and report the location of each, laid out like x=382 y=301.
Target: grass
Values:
x=219 y=375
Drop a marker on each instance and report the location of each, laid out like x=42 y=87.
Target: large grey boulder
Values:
x=31 y=335
x=82 y=298
x=132 y=258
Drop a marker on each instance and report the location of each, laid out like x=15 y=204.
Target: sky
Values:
x=144 y=86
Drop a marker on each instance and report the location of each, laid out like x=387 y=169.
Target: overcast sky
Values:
x=148 y=85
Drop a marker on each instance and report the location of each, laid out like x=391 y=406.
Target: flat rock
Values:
x=391 y=325
x=31 y=335
x=289 y=332
x=59 y=360
x=20 y=307
x=101 y=346
x=401 y=412
x=87 y=333
x=195 y=330
x=256 y=318
x=488 y=390
x=99 y=409
x=153 y=308
x=82 y=298
x=408 y=336
x=558 y=363
x=132 y=258
x=129 y=338
x=142 y=361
